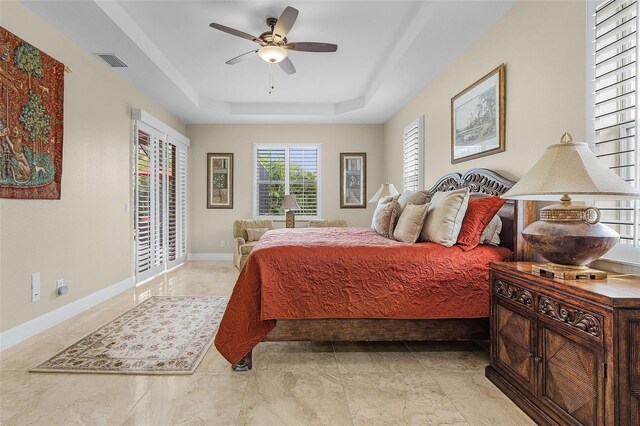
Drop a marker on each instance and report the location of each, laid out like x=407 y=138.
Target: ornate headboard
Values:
x=484 y=183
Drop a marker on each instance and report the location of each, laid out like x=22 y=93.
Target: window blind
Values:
x=614 y=109
x=284 y=170
x=143 y=203
x=303 y=179
x=413 y=156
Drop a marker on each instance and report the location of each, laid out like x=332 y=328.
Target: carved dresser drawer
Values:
x=566 y=351
x=513 y=292
x=580 y=319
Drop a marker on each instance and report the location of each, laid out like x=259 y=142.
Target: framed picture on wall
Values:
x=353 y=180
x=219 y=181
x=478 y=118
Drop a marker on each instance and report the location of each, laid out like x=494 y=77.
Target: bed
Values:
x=352 y=284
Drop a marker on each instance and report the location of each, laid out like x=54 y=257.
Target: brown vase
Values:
x=575 y=243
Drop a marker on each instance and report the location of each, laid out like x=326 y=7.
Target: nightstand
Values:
x=566 y=351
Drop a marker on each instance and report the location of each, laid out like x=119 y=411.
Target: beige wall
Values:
x=207 y=227
x=85 y=237
x=543 y=45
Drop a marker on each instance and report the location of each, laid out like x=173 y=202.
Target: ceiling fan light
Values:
x=272 y=54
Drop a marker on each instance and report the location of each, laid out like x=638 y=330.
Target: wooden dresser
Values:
x=567 y=352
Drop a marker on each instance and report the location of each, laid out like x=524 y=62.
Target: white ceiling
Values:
x=387 y=51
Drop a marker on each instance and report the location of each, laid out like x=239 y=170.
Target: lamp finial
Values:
x=566 y=138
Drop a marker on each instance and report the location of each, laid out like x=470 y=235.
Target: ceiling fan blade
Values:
x=312 y=47
x=287 y=66
x=285 y=22
x=240 y=58
x=233 y=31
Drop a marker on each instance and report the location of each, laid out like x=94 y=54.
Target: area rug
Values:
x=162 y=335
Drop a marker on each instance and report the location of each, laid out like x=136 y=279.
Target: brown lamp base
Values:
x=290 y=219
x=567 y=272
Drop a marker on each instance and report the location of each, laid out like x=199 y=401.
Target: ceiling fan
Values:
x=274 y=43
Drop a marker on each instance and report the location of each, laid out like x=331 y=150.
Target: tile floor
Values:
x=298 y=383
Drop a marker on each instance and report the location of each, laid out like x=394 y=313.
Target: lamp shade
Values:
x=385 y=190
x=571 y=168
x=273 y=54
x=290 y=203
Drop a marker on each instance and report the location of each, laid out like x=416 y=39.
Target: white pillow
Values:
x=254 y=234
x=444 y=217
x=385 y=218
x=410 y=223
x=491 y=234
x=413 y=197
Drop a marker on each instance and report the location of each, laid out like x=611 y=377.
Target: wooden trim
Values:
x=380 y=329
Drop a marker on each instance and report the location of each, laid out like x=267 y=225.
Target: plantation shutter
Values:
x=271 y=183
x=413 y=156
x=176 y=203
x=182 y=205
x=303 y=179
x=143 y=210
x=149 y=203
x=282 y=170
x=160 y=202
x=615 y=104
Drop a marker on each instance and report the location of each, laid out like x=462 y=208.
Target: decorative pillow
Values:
x=444 y=217
x=410 y=223
x=413 y=197
x=385 y=217
x=254 y=234
x=479 y=213
x=491 y=234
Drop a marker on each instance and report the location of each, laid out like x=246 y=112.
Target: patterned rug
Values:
x=162 y=335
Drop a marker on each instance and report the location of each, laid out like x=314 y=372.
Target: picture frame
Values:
x=478 y=118
x=353 y=180
x=219 y=180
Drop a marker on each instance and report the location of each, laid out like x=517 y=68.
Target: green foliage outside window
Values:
x=302 y=184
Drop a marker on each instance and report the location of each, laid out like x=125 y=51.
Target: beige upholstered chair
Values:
x=242 y=247
x=328 y=223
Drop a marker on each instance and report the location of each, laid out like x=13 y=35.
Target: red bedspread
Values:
x=351 y=273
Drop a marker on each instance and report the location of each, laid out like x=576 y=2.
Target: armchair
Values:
x=242 y=247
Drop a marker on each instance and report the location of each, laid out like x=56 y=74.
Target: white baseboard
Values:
x=210 y=256
x=37 y=325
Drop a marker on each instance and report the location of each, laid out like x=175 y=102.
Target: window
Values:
x=613 y=37
x=287 y=169
x=413 y=156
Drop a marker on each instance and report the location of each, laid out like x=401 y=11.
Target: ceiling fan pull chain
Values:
x=271 y=86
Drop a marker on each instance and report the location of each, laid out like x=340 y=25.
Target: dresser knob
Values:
x=537 y=359
x=530 y=354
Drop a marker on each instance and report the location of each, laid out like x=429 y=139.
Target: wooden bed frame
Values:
x=514 y=215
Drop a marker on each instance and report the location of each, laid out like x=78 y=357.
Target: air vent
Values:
x=111 y=59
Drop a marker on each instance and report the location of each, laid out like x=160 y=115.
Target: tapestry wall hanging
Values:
x=31 y=120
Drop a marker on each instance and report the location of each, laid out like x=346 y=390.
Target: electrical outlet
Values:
x=222 y=243
x=35 y=287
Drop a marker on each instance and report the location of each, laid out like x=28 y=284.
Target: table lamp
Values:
x=385 y=190
x=569 y=235
x=290 y=204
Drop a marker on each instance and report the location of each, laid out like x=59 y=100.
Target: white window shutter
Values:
x=413 y=156
x=615 y=106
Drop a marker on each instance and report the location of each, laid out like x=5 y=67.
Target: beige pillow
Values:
x=410 y=223
x=413 y=197
x=255 y=234
x=385 y=218
x=491 y=234
x=444 y=217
